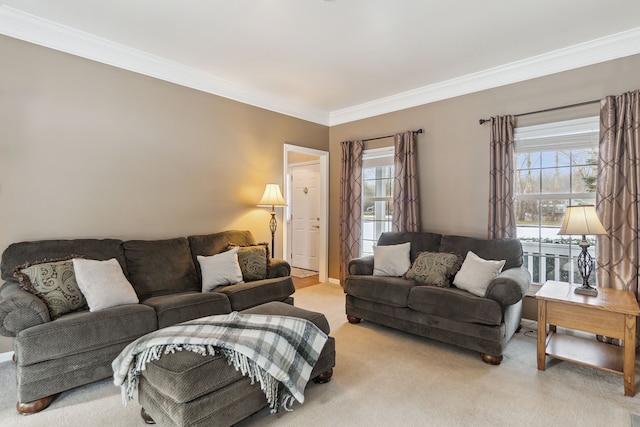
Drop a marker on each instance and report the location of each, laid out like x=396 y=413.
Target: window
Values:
x=377 y=196
x=556 y=165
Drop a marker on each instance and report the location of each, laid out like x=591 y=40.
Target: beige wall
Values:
x=89 y=150
x=453 y=150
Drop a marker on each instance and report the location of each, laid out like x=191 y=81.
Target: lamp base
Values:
x=586 y=290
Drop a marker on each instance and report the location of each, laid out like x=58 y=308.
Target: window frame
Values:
x=569 y=136
x=376 y=157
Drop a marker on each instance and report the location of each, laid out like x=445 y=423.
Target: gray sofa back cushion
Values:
x=100 y=249
x=211 y=244
x=495 y=249
x=160 y=267
x=420 y=241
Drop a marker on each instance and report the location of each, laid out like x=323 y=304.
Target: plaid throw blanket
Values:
x=274 y=350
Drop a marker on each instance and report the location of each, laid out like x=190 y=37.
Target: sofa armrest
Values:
x=278 y=268
x=361 y=266
x=20 y=310
x=510 y=286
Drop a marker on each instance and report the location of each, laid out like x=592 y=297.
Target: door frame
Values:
x=323 y=261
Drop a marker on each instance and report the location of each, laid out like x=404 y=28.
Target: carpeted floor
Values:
x=385 y=377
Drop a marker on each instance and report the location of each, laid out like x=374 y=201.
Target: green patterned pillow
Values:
x=434 y=268
x=54 y=282
x=253 y=260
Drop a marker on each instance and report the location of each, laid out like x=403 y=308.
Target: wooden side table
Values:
x=611 y=313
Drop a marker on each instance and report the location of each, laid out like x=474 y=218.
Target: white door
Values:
x=305 y=216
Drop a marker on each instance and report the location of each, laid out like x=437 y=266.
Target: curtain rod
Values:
x=579 y=104
x=387 y=136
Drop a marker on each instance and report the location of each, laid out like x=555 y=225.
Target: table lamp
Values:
x=583 y=220
x=272 y=197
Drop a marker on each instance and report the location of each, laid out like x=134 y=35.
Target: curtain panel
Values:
x=350 y=204
x=502 y=217
x=406 y=197
x=618 y=186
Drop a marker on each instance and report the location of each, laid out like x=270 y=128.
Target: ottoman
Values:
x=187 y=389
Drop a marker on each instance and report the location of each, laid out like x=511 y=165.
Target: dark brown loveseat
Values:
x=77 y=348
x=455 y=316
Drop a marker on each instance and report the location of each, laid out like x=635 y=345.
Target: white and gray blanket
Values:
x=274 y=350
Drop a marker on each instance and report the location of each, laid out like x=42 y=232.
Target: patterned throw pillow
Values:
x=253 y=260
x=54 y=282
x=434 y=268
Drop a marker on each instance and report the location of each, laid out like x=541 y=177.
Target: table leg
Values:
x=629 y=355
x=542 y=334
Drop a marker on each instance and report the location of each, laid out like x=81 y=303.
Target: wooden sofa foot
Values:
x=34 y=406
x=324 y=377
x=353 y=319
x=490 y=359
x=146 y=417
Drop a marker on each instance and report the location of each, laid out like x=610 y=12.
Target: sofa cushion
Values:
x=22 y=252
x=476 y=274
x=250 y=294
x=434 y=268
x=160 y=267
x=211 y=244
x=455 y=304
x=420 y=241
x=103 y=283
x=219 y=270
x=54 y=282
x=509 y=250
x=177 y=308
x=384 y=290
x=391 y=260
x=253 y=261
x=82 y=331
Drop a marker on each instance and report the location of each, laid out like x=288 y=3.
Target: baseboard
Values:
x=4 y=357
x=334 y=281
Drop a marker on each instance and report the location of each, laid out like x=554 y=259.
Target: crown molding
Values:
x=607 y=48
x=23 y=26
x=20 y=25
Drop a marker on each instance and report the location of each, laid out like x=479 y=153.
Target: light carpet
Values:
x=385 y=377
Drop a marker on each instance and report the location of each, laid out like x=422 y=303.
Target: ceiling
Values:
x=333 y=61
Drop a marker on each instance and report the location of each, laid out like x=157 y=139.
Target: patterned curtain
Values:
x=618 y=186
x=502 y=216
x=406 y=198
x=350 y=204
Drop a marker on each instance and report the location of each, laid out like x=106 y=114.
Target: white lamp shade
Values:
x=581 y=220
x=272 y=197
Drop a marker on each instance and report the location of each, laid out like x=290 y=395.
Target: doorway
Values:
x=305 y=239
x=304 y=205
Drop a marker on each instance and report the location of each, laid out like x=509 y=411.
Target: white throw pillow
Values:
x=103 y=283
x=220 y=269
x=476 y=274
x=391 y=260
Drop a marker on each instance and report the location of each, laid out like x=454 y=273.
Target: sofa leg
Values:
x=324 y=377
x=28 y=408
x=146 y=417
x=490 y=359
x=353 y=319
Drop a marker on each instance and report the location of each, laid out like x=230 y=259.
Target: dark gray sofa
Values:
x=455 y=316
x=78 y=348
